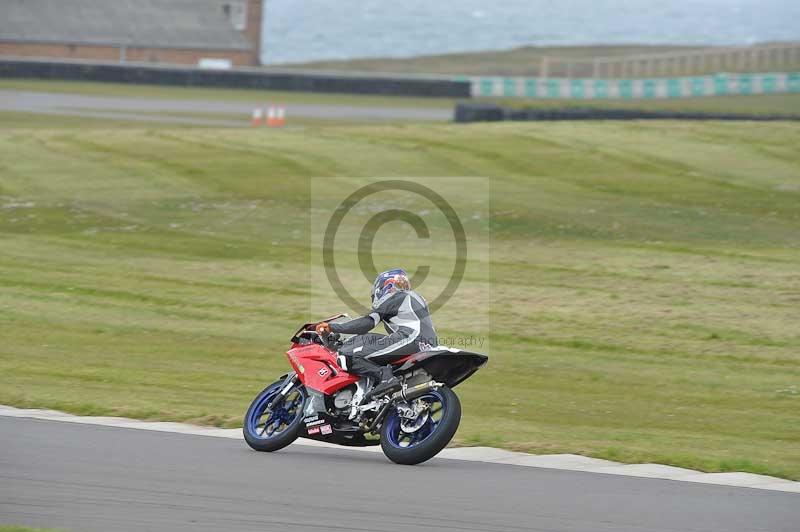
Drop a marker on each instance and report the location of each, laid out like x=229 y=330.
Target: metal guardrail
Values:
x=628 y=89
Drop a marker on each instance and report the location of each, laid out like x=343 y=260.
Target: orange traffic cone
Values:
x=280 y=118
x=271 y=116
x=258 y=115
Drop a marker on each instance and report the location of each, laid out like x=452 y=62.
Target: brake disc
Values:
x=410 y=426
x=412 y=419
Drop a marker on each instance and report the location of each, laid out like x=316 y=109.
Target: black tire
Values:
x=282 y=438
x=435 y=442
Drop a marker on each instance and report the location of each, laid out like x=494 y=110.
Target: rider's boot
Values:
x=389 y=383
x=361 y=387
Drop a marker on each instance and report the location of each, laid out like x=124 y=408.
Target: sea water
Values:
x=308 y=30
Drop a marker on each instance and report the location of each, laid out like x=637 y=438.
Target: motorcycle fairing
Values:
x=321 y=426
x=445 y=364
x=317 y=425
x=318 y=368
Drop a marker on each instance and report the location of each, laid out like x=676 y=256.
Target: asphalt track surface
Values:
x=157 y=110
x=88 y=478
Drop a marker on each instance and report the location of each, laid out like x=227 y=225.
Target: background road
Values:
x=92 y=478
x=156 y=109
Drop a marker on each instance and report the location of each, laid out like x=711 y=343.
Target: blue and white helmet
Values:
x=388 y=283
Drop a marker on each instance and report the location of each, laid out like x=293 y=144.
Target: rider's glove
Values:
x=323 y=328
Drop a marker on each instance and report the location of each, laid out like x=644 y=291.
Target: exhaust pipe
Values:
x=409 y=394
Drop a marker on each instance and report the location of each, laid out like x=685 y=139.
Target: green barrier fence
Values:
x=652 y=88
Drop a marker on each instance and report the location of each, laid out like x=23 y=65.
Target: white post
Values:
x=544 y=68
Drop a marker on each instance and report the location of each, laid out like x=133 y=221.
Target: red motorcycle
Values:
x=316 y=401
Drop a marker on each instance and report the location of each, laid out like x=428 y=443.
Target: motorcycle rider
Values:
x=405 y=316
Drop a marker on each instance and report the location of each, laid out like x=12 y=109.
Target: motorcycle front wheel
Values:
x=270 y=429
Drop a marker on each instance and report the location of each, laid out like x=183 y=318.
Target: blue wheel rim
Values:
x=264 y=423
x=402 y=440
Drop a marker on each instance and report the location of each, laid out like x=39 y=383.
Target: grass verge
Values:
x=522 y=61
x=644 y=276
x=763 y=104
x=19 y=528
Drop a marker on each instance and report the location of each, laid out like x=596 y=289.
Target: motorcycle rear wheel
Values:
x=270 y=429
x=432 y=436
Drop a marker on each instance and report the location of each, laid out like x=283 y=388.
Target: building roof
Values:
x=147 y=23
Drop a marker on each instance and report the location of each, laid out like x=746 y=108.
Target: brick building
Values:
x=153 y=31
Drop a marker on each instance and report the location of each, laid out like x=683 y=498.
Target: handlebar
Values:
x=332 y=340
x=307 y=332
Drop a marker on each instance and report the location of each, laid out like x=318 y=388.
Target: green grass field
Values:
x=644 y=277
x=786 y=105
x=523 y=61
x=16 y=528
